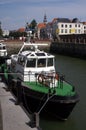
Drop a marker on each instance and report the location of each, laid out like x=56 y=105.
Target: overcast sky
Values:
x=15 y=13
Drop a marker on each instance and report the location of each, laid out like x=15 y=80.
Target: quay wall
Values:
x=71 y=49
x=73 y=38
x=72 y=45
x=77 y=49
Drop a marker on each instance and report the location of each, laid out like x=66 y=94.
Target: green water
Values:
x=74 y=70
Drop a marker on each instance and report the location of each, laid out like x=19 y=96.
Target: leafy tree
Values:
x=1 y=32
x=17 y=34
x=33 y=25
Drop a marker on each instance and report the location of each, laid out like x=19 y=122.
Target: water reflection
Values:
x=75 y=71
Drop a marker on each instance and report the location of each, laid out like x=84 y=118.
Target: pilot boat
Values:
x=42 y=88
x=3 y=52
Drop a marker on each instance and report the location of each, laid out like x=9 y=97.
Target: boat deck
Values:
x=62 y=89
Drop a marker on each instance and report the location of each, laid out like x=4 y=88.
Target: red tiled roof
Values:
x=21 y=29
x=54 y=20
x=84 y=23
x=41 y=25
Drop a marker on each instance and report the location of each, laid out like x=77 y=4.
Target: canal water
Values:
x=74 y=70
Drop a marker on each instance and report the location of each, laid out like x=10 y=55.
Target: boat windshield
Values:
x=31 y=62
x=50 y=62
x=41 y=63
x=21 y=60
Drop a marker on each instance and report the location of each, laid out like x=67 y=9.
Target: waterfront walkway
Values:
x=12 y=117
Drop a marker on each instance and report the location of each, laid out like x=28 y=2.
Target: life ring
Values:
x=40 y=78
x=57 y=76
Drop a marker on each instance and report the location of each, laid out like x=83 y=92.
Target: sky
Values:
x=14 y=14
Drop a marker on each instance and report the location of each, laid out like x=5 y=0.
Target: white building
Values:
x=5 y=32
x=69 y=28
x=64 y=26
x=84 y=27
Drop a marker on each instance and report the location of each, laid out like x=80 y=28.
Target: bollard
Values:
x=9 y=81
x=2 y=71
x=34 y=123
x=37 y=120
x=19 y=92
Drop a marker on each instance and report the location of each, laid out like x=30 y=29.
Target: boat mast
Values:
x=29 y=34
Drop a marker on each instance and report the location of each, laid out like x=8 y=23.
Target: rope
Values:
x=41 y=101
x=46 y=102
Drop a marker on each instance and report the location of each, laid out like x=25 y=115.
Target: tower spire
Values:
x=45 y=18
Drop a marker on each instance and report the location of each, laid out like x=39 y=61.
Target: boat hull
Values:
x=55 y=106
x=50 y=104
x=59 y=107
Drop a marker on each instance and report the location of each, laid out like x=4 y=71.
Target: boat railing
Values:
x=45 y=78
x=49 y=79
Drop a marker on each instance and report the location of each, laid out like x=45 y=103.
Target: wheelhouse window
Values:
x=21 y=61
x=2 y=47
x=50 y=62
x=31 y=62
x=41 y=63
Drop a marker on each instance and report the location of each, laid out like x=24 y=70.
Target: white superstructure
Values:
x=31 y=61
x=3 y=50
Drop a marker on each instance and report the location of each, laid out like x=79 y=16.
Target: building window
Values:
x=75 y=25
x=65 y=30
x=70 y=26
x=61 y=30
x=79 y=25
x=76 y=31
x=84 y=27
x=69 y=30
x=79 y=31
x=62 y=25
x=85 y=31
x=65 y=25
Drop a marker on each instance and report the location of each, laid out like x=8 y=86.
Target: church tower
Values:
x=45 y=19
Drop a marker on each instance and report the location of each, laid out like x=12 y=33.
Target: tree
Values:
x=1 y=32
x=17 y=34
x=33 y=25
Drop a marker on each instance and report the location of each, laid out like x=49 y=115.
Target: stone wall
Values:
x=71 y=49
